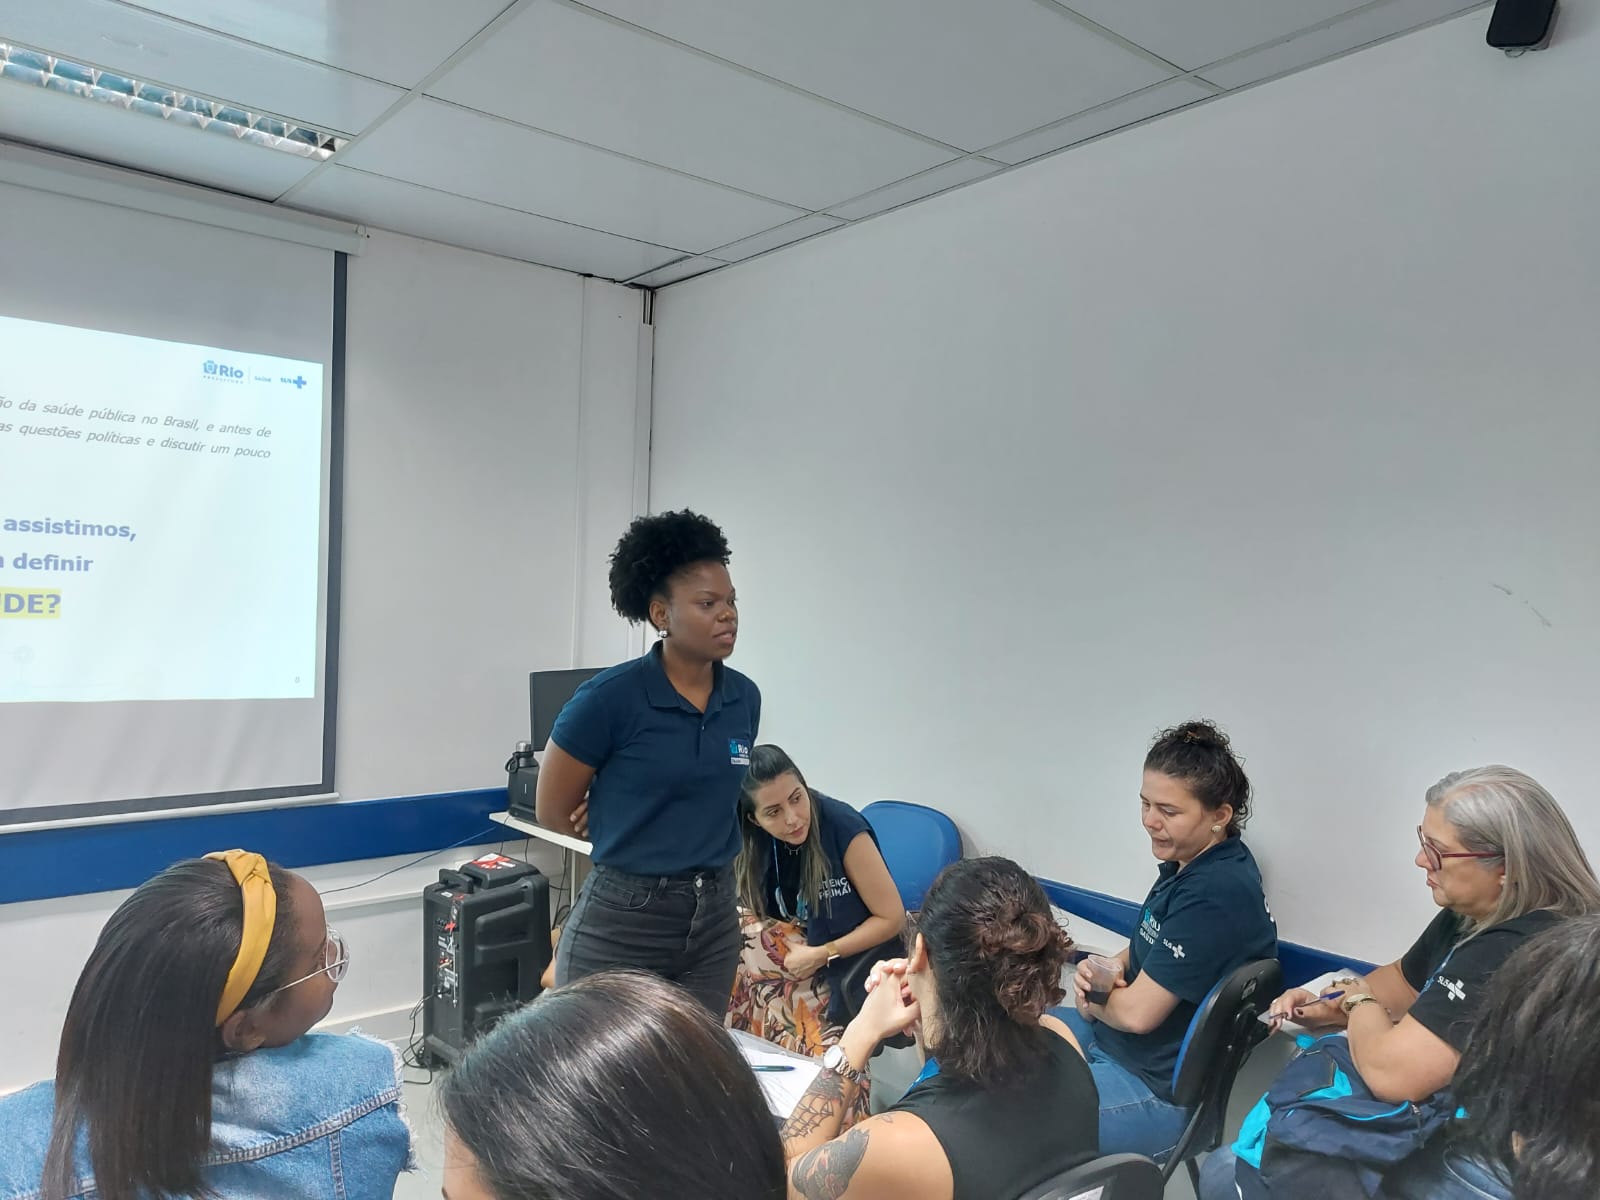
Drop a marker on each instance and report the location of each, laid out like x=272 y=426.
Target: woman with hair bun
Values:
x=1004 y=1100
x=1205 y=917
x=646 y=759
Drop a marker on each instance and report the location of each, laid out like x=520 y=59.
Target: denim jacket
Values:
x=318 y=1119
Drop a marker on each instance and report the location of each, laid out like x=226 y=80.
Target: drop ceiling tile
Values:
x=458 y=221
x=146 y=46
x=686 y=268
x=970 y=74
x=1127 y=111
x=1358 y=29
x=456 y=150
x=87 y=129
x=771 y=239
x=928 y=183
x=1192 y=33
x=399 y=41
x=595 y=80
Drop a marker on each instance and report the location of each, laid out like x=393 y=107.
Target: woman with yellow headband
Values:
x=186 y=1066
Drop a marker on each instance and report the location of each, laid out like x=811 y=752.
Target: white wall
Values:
x=491 y=460
x=1280 y=410
x=490 y=411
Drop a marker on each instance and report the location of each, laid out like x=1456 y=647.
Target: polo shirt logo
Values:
x=1149 y=928
x=738 y=753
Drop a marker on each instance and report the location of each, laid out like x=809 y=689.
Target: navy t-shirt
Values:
x=840 y=908
x=665 y=795
x=1451 y=979
x=1197 y=926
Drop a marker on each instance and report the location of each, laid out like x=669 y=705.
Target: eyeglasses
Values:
x=1436 y=857
x=335 y=961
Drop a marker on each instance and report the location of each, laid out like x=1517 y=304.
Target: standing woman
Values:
x=647 y=758
x=816 y=900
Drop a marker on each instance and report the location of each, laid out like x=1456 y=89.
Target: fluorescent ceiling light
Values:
x=25 y=66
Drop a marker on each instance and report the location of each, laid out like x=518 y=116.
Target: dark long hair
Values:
x=996 y=954
x=1530 y=1064
x=1198 y=755
x=140 y=1038
x=617 y=1086
x=766 y=764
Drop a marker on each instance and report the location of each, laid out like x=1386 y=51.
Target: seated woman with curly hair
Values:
x=1005 y=1099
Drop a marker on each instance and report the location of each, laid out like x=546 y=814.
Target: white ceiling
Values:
x=652 y=140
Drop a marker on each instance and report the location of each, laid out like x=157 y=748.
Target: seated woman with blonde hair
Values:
x=816 y=901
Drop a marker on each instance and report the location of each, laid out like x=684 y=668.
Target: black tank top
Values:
x=1003 y=1141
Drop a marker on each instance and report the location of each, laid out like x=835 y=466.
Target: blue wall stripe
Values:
x=42 y=864
x=1300 y=963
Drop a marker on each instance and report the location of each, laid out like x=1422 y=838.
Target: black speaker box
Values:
x=1522 y=24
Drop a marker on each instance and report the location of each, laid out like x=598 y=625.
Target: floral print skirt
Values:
x=779 y=1007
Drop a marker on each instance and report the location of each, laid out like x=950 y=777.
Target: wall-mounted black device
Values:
x=1521 y=25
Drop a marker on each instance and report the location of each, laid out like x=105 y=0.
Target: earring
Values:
x=1216 y=829
x=662 y=634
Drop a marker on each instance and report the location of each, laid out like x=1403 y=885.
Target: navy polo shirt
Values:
x=840 y=909
x=665 y=795
x=1197 y=926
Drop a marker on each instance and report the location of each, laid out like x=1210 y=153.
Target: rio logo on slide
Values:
x=223 y=372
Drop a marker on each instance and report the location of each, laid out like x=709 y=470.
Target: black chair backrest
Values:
x=1224 y=1031
x=1113 y=1177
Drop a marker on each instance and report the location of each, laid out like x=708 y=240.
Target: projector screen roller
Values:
x=168 y=500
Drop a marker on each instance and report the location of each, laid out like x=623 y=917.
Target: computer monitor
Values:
x=548 y=693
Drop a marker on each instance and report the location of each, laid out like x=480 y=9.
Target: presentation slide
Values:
x=160 y=519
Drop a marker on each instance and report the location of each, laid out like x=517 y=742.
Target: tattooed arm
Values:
x=821 y=1110
x=893 y=1156
x=888 y=1157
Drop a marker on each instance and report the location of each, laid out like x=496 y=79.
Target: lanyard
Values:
x=801 y=912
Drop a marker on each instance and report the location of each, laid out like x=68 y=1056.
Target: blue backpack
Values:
x=1320 y=1133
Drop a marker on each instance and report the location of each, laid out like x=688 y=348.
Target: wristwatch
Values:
x=1349 y=1003
x=834 y=1060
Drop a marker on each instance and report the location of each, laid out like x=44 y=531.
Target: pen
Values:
x=771 y=1067
x=1318 y=1000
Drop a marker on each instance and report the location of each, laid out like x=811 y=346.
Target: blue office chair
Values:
x=1111 y=1177
x=1224 y=1031
x=917 y=843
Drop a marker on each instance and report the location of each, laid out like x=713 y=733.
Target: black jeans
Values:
x=683 y=928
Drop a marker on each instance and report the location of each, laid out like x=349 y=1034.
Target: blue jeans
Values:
x=1437 y=1172
x=682 y=928
x=1442 y=1171
x=1216 y=1174
x=1133 y=1119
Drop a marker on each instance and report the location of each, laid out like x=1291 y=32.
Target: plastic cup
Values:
x=1103 y=976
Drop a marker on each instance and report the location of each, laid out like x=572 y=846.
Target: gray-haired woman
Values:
x=1504 y=864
